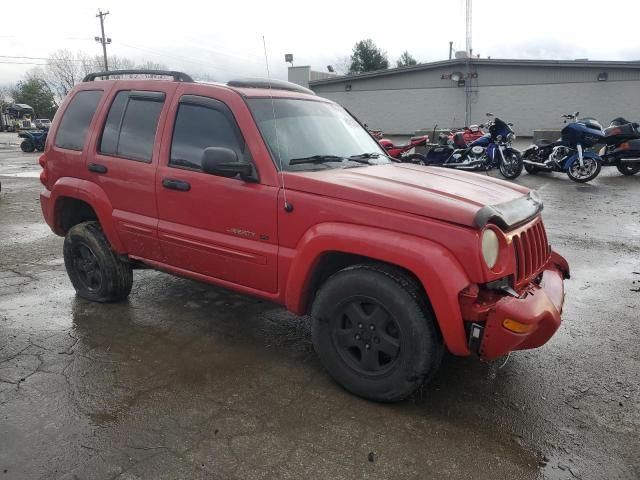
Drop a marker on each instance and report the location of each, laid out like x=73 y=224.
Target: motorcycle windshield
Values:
x=500 y=128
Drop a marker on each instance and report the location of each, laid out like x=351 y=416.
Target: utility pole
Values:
x=103 y=40
x=450 y=50
x=469 y=48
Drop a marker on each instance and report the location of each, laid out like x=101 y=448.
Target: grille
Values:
x=532 y=251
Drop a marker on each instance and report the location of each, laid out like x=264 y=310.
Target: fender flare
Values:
x=88 y=192
x=438 y=270
x=573 y=158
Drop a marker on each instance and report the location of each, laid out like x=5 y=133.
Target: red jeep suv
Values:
x=264 y=188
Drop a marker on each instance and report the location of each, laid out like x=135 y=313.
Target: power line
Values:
x=21 y=63
x=46 y=59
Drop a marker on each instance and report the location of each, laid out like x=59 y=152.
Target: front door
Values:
x=223 y=228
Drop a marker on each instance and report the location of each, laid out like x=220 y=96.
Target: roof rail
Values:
x=177 y=76
x=266 y=83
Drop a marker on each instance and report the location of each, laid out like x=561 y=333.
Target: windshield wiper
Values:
x=365 y=157
x=316 y=159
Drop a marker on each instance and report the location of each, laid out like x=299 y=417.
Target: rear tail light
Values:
x=44 y=178
x=624 y=146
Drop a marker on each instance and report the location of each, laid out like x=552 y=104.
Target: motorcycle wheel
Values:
x=628 y=169
x=584 y=174
x=513 y=168
x=416 y=158
x=27 y=146
x=531 y=169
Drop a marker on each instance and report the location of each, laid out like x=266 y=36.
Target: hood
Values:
x=452 y=196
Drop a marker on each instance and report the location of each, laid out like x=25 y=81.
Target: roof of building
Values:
x=481 y=61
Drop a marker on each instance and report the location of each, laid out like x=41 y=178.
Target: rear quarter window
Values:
x=131 y=125
x=75 y=122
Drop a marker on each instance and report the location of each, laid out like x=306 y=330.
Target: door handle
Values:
x=97 y=168
x=174 y=184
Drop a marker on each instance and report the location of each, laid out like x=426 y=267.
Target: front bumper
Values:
x=536 y=309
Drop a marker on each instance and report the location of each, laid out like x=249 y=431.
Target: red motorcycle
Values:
x=462 y=138
x=400 y=151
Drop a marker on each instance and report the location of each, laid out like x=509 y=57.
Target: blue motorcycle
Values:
x=33 y=140
x=489 y=151
x=568 y=154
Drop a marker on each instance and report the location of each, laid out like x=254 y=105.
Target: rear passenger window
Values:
x=75 y=122
x=130 y=129
x=198 y=127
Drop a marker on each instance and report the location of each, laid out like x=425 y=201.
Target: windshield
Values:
x=313 y=135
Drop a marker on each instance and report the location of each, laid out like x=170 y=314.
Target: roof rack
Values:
x=268 y=83
x=177 y=76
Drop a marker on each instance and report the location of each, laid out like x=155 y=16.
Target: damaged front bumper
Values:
x=499 y=323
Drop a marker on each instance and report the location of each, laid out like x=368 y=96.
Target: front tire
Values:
x=374 y=332
x=588 y=172
x=96 y=272
x=513 y=166
x=628 y=169
x=27 y=146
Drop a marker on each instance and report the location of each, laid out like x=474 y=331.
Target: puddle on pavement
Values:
x=29 y=174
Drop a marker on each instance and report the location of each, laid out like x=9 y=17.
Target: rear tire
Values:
x=374 y=332
x=628 y=169
x=27 y=146
x=96 y=272
x=587 y=173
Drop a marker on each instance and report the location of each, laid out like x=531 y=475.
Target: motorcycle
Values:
x=33 y=140
x=472 y=133
x=568 y=154
x=400 y=151
x=488 y=151
x=622 y=146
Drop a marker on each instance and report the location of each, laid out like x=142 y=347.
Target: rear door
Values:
x=223 y=228
x=123 y=161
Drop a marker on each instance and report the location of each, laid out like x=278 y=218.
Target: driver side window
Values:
x=199 y=126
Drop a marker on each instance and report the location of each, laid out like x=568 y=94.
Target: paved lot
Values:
x=188 y=381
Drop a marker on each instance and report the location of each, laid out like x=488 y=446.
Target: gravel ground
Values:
x=185 y=380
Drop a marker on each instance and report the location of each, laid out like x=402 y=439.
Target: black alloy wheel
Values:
x=366 y=336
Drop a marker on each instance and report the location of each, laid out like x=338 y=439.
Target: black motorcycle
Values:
x=622 y=146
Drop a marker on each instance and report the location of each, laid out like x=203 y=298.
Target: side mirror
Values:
x=636 y=125
x=223 y=162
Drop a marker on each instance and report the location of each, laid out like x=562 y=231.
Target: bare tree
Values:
x=64 y=69
x=5 y=98
x=341 y=65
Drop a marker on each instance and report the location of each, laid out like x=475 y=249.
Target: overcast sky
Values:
x=223 y=39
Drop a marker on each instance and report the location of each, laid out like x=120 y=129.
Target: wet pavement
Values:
x=189 y=381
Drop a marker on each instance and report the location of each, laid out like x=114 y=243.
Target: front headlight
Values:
x=490 y=247
x=511 y=137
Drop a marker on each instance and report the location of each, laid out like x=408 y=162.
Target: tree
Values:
x=64 y=70
x=35 y=92
x=406 y=60
x=5 y=98
x=366 y=57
